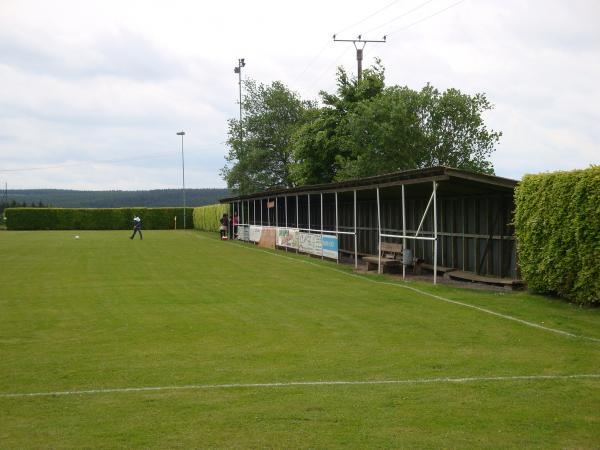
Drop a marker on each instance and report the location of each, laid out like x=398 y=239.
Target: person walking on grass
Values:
x=137 y=227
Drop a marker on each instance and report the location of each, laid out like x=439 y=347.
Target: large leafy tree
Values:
x=325 y=142
x=368 y=129
x=363 y=129
x=260 y=155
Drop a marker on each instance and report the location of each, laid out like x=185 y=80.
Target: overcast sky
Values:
x=93 y=92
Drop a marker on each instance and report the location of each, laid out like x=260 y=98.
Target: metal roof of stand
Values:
x=463 y=179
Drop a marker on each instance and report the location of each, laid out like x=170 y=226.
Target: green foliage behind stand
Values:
x=95 y=218
x=557 y=223
x=206 y=218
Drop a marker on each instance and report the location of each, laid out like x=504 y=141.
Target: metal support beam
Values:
x=435 y=243
x=426 y=210
x=336 y=228
x=355 y=235
x=378 y=234
x=404 y=234
x=309 y=211
x=321 y=223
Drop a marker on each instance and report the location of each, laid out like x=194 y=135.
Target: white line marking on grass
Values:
x=438 y=297
x=304 y=383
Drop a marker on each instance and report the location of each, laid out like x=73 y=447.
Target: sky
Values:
x=92 y=93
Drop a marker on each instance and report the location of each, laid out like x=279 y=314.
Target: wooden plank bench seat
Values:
x=440 y=269
x=508 y=283
x=391 y=256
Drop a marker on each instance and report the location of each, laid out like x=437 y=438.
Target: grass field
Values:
x=103 y=314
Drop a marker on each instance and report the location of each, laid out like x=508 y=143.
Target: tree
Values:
x=385 y=135
x=324 y=143
x=454 y=131
x=368 y=129
x=261 y=156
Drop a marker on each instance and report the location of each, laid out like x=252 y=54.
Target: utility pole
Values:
x=359 y=51
x=238 y=70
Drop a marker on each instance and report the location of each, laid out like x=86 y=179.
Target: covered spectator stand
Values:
x=447 y=220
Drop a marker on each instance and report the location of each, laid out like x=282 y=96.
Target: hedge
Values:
x=95 y=218
x=206 y=218
x=557 y=224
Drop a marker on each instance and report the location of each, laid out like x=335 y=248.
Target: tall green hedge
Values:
x=95 y=218
x=206 y=218
x=557 y=224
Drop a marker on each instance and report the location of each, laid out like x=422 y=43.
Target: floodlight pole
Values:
x=182 y=134
x=238 y=70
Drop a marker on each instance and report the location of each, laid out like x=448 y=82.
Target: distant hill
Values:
x=115 y=199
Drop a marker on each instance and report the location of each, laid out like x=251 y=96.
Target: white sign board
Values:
x=254 y=233
x=287 y=237
x=310 y=243
x=243 y=232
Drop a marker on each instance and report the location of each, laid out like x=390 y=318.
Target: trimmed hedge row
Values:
x=95 y=218
x=206 y=218
x=557 y=224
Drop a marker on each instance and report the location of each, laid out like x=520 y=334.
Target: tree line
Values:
x=14 y=204
x=363 y=129
x=65 y=198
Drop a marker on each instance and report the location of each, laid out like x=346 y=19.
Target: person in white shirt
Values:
x=137 y=227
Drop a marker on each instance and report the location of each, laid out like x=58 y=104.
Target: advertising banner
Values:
x=287 y=237
x=330 y=246
x=267 y=237
x=254 y=233
x=243 y=232
x=310 y=243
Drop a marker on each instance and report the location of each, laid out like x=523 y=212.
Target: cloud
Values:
x=119 y=53
x=113 y=81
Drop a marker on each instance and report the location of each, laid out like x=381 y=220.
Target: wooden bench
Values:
x=440 y=269
x=391 y=256
x=507 y=283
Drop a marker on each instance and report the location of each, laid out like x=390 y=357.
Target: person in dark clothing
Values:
x=224 y=221
x=137 y=227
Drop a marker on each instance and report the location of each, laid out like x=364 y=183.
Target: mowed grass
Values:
x=183 y=308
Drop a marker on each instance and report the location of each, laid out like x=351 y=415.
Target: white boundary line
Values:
x=305 y=383
x=438 y=297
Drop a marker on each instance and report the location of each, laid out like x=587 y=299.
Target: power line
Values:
x=426 y=18
x=312 y=61
x=320 y=52
x=416 y=8
x=323 y=72
x=369 y=16
x=79 y=163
